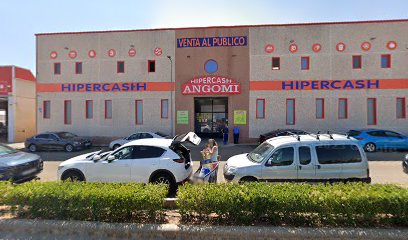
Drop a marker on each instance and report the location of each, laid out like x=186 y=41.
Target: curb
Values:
x=45 y=229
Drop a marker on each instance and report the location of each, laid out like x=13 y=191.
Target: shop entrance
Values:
x=210 y=116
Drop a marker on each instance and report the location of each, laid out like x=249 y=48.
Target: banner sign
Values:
x=182 y=117
x=105 y=87
x=211 y=85
x=240 y=117
x=235 y=41
x=367 y=84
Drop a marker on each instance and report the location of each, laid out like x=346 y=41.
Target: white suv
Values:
x=305 y=158
x=145 y=160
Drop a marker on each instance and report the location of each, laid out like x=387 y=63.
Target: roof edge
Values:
x=232 y=26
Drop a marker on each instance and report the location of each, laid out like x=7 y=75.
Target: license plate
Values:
x=29 y=171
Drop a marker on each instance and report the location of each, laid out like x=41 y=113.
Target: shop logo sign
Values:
x=234 y=41
x=211 y=85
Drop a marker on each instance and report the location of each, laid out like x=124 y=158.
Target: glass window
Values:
x=121 y=66
x=66 y=135
x=386 y=61
x=42 y=136
x=275 y=63
x=401 y=108
x=89 y=109
x=47 y=109
x=67 y=112
x=319 y=108
x=78 y=67
x=124 y=153
x=134 y=136
x=377 y=133
x=282 y=157
x=151 y=66
x=391 y=134
x=290 y=111
x=146 y=135
x=57 y=68
x=305 y=63
x=164 y=108
x=357 y=62
x=139 y=112
x=353 y=133
x=108 y=109
x=4 y=150
x=305 y=156
x=260 y=108
x=371 y=111
x=343 y=108
x=337 y=154
x=148 y=152
x=260 y=152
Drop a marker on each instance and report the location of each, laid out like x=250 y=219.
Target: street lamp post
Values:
x=171 y=95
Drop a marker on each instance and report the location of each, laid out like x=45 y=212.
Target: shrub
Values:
x=354 y=204
x=112 y=202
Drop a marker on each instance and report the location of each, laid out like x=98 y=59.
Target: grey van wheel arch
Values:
x=248 y=179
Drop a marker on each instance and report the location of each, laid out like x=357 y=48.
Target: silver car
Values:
x=18 y=166
x=139 y=135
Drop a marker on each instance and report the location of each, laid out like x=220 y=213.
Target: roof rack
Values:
x=315 y=135
x=330 y=134
x=293 y=135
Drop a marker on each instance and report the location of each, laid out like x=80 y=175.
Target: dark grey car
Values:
x=57 y=141
x=18 y=166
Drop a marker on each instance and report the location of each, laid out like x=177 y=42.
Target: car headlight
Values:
x=231 y=171
x=406 y=157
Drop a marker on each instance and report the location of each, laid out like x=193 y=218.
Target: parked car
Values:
x=135 y=136
x=155 y=160
x=304 y=158
x=280 y=132
x=57 y=141
x=374 y=139
x=18 y=166
x=405 y=164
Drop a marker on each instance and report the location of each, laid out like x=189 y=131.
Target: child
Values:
x=206 y=152
x=206 y=162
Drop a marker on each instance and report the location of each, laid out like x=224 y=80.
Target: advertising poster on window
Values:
x=240 y=117
x=182 y=117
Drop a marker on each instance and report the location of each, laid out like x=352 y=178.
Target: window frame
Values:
x=66 y=122
x=161 y=109
x=307 y=58
x=294 y=111
x=404 y=108
x=279 y=67
x=375 y=111
x=310 y=154
x=86 y=109
x=55 y=68
x=76 y=67
x=280 y=149
x=136 y=114
x=44 y=109
x=388 y=57
x=323 y=112
x=117 y=66
x=106 y=109
x=345 y=108
x=263 y=106
x=360 y=61
x=149 y=70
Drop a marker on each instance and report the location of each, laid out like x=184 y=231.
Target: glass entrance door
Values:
x=211 y=115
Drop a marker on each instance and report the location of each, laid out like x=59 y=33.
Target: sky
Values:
x=20 y=20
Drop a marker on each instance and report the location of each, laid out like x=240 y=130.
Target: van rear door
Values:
x=329 y=161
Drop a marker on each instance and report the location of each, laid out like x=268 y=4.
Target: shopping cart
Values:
x=207 y=172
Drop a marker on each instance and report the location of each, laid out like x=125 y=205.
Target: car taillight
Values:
x=359 y=138
x=179 y=160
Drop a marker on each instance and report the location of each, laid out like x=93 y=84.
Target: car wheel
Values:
x=164 y=178
x=248 y=179
x=32 y=148
x=370 y=147
x=69 y=148
x=72 y=176
x=116 y=146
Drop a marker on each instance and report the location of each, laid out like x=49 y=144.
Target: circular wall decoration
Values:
x=316 y=47
x=92 y=53
x=340 y=47
x=132 y=52
x=53 y=55
x=392 y=45
x=269 y=48
x=111 y=52
x=72 y=54
x=158 y=51
x=211 y=66
x=365 y=46
x=293 y=48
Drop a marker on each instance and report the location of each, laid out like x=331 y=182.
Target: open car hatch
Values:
x=190 y=137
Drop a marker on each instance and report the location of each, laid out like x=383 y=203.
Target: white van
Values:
x=303 y=158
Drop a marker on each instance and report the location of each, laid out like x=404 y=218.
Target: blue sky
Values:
x=20 y=20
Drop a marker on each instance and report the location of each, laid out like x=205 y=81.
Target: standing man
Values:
x=225 y=134
x=236 y=134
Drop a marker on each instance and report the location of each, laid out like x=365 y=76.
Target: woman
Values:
x=213 y=150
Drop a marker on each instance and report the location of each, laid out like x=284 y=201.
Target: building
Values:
x=17 y=104
x=314 y=76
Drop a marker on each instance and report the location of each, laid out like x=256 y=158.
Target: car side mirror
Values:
x=96 y=158
x=111 y=158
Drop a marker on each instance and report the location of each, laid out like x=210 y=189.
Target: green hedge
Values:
x=112 y=202
x=295 y=204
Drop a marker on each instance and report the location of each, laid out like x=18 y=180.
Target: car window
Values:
x=353 y=133
x=148 y=152
x=5 y=150
x=146 y=135
x=161 y=134
x=305 y=156
x=134 y=136
x=52 y=136
x=337 y=154
x=66 y=135
x=260 y=152
x=42 y=136
x=377 y=133
x=124 y=153
x=391 y=134
x=282 y=157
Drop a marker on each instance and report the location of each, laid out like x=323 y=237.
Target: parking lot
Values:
x=385 y=167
